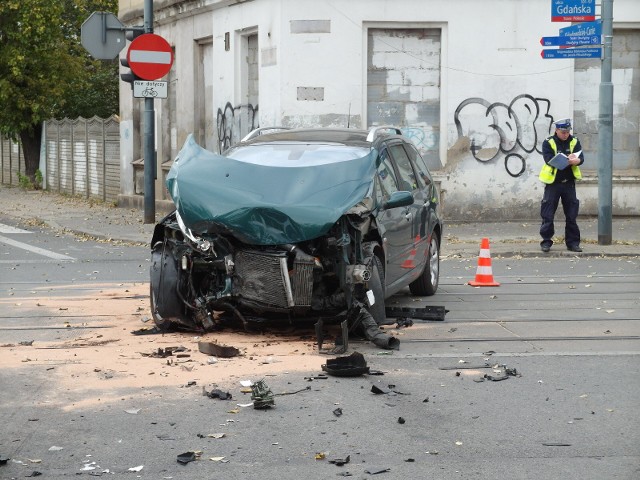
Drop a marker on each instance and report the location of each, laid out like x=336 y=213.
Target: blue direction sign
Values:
x=573 y=10
x=585 y=29
x=572 y=53
x=570 y=41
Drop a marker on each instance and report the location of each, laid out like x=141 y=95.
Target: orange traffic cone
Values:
x=484 y=275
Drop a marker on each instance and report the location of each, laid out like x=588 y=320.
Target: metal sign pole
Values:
x=149 y=137
x=605 y=131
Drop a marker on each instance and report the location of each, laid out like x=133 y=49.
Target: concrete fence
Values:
x=11 y=161
x=82 y=157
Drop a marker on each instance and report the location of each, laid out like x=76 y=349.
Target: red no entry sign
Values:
x=150 y=56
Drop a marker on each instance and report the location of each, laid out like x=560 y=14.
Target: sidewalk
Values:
x=106 y=222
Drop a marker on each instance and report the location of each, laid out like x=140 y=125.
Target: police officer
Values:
x=560 y=184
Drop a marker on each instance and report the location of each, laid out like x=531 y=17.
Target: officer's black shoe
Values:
x=545 y=248
x=574 y=248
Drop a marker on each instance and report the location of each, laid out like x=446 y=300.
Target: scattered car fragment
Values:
x=262 y=396
x=222 y=351
x=296 y=225
x=353 y=365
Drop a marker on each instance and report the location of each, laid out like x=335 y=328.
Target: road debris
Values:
x=502 y=373
x=353 y=365
x=377 y=470
x=262 y=396
x=341 y=461
x=216 y=393
x=167 y=352
x=187 y=457
x=213 y=349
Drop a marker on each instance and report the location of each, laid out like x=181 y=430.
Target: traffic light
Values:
x=133 y=32
x=129 y=76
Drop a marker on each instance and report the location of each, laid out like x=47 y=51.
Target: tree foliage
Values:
x=46 y=73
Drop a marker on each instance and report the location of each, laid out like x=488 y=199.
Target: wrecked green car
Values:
x=295 y=225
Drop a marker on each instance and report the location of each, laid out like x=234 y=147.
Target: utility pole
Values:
x=605 y=131
x=149 y=137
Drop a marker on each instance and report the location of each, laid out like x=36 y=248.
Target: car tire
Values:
x=163 y=324
x=376 y=285
x=164 y=302
x=427 y=283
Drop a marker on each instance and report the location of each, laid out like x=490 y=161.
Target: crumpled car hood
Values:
x=264 y=204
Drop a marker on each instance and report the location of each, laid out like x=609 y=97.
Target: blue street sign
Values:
x=572 y=53
x=573 y=10
x=570 y=41
x=585 y=29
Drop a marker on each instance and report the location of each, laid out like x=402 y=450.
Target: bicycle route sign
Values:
x=149 y=89
x=150 y=56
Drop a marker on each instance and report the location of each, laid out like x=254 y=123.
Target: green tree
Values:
x=44 y=71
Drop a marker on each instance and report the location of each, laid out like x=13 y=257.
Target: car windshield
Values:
x=298 y=154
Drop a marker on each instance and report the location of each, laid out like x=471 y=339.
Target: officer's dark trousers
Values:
x=570 y=204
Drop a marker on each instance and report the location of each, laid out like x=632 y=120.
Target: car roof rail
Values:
x=374 y=132
x=259 y=131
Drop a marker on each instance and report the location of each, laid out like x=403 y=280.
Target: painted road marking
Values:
x=9 y=229
x=38 y=250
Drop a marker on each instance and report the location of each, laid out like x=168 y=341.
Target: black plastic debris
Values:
x=410 y=460
x=186 y=457
x=337 y=412
x=353 y=365
x=147 y=331
x=35 y=473
x=427 y=313
x=166 y=352
x=404 y=322
x=379 y=391
x=222 y=351
x=262 y=396
x=556 y=444
x=386 y=391
x=26 y=343
x=216 y=393
x=341 y=461
x=377 y=470
x=316 y=377
x=401 y=420
x=3 y=460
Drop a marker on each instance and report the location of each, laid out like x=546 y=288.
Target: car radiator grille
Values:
x=264 y=278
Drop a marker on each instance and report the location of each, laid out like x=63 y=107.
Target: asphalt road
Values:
x=569 y=327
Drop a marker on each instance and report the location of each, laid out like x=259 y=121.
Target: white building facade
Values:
x=464 y=79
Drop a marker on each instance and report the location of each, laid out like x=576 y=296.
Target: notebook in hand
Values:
x=560 y=161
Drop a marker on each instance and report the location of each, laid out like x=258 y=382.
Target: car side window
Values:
x=405 y=170
x=386 y=175
x=419 y=165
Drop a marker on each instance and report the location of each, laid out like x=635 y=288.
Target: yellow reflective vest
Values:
x=548 y=173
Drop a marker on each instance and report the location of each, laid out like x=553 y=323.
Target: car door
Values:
x=415 y=241
x=394 y=223
x=427 y=196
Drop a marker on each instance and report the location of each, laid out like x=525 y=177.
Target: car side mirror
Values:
x=398 y=199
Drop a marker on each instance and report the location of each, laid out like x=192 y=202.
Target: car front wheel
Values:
x=427 y=283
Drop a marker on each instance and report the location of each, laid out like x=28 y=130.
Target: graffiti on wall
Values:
x=423 y=140
x=234 y=123
x=511 y=130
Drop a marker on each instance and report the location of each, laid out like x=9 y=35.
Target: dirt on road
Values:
x=94 y=357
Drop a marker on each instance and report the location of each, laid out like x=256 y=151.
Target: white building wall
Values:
x=498 y=97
